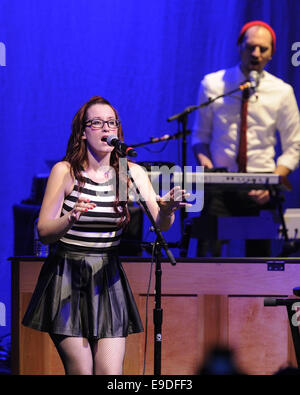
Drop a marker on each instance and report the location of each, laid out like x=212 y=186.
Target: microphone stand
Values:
x=157 y=312
x=182 y=120
x=190 y=109
x=180 y=134
x=182 y=130
x=155 y=140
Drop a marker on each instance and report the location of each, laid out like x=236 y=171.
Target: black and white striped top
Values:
x=96 y=231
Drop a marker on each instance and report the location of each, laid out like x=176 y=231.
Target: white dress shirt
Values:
x=273 y=107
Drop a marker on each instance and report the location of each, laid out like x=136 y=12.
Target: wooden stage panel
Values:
x=204 y=304
x=260 y=336
x=38 y=354
x=179 y=335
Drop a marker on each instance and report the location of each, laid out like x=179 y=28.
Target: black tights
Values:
x=81 y=356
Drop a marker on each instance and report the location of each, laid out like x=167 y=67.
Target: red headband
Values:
x=258 y=23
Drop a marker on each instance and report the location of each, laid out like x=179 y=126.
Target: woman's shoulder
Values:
x=61 y=177
x=61 y=169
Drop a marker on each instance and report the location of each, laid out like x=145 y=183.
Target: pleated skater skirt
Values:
x=86 y=295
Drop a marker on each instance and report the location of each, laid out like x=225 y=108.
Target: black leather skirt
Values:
x=86 y=295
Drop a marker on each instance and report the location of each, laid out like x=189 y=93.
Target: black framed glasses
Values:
x=99 y=123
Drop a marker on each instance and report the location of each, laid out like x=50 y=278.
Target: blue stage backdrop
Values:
x=147 y=57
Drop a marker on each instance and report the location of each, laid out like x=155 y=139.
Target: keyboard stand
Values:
x=240 y=228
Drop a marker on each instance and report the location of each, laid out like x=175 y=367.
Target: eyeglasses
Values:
x=99 y=123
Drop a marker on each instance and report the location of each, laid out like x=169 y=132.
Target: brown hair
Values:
x=76 y=153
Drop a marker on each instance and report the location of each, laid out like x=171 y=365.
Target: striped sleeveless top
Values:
x=96 y=231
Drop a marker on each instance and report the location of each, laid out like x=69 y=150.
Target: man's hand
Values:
x=260 y=196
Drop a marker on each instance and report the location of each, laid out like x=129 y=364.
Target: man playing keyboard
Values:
x=268 y=104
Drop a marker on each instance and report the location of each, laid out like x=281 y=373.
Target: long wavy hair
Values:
x=77 y=156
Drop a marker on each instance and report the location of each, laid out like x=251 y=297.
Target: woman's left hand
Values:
x=173 y=200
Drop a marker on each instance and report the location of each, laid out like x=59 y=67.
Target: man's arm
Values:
x=202 y=154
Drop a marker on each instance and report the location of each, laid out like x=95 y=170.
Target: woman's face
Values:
x=95 y=132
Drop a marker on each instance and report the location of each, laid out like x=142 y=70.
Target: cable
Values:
x=147 y=301
x=159 y=150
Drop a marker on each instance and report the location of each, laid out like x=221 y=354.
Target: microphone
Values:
x=121 y=147
x=254 y=79
x=157 y=139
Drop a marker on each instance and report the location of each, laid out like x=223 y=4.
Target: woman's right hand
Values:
x=81 y=206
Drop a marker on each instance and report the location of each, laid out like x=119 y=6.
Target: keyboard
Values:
x=247 y=180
